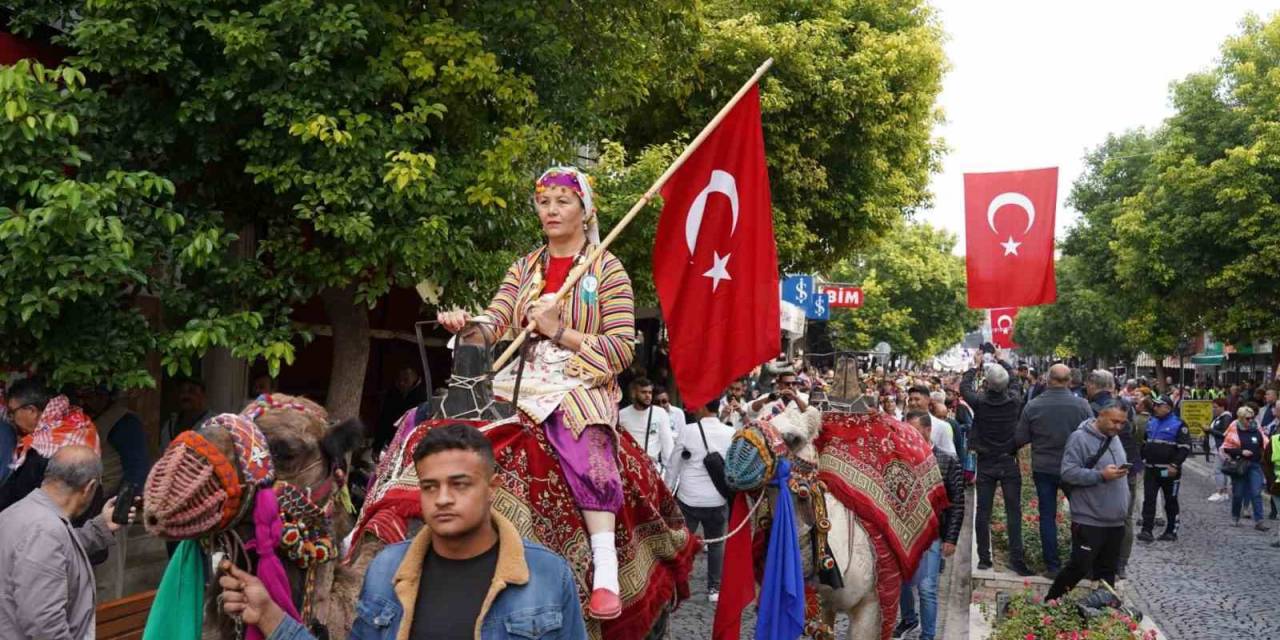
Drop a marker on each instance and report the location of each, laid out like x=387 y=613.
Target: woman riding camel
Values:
x=569 y=380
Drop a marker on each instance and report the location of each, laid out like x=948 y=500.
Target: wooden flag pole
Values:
x=599 y=250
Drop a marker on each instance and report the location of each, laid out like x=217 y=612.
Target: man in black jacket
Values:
x=995 y=417
x=925 y=581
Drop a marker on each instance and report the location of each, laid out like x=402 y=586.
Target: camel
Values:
x=869 y=565
x=310 y=457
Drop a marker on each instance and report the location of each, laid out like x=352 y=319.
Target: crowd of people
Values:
x=1102 y=443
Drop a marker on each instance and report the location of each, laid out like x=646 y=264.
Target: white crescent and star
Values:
x=720 y=182
x=1000 y=325
x=1018 y=200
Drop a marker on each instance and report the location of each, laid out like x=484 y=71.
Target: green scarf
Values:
x=178 y=610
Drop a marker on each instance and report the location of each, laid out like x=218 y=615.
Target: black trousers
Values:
x=1151 y=483
x=712 y=520
x=1007 y=475
x=1094 y=551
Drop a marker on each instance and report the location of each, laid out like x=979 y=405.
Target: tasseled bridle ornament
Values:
x=306 y=537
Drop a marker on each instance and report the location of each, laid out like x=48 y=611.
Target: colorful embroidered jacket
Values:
x=606 y=317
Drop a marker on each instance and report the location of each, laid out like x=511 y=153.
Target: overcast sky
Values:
x=1035 y=83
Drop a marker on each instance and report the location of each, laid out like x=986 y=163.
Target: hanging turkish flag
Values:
x=715 y=264
x=1002 y=327
x=1009 y=237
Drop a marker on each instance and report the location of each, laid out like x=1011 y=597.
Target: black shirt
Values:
x=450 y=596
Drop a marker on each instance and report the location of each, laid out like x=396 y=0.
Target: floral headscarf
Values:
x=580 y=183
x=61 y=425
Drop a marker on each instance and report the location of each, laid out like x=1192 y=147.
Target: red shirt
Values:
x=557 y=272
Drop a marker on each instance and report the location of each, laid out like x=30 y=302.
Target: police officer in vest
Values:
x=1167 y=445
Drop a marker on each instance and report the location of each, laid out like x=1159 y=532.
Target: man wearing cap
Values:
x=1167 y=445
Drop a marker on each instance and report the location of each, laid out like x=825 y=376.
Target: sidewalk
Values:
x=1216 y=581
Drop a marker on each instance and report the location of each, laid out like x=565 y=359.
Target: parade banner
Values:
x=715 y=264
x=1002 y=321
x=1009 y=220
x=1197 y=415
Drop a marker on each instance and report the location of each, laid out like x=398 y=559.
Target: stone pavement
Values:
x=693 y=620
x=1216 y=581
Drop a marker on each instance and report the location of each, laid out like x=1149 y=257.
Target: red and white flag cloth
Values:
x=715 y=264
x=1009 y=237
x=1002 y=321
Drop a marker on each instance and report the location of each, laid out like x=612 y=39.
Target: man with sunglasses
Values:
x=785 y=391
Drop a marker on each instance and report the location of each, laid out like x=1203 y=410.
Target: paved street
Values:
x=1216 y=581
x=694 y=619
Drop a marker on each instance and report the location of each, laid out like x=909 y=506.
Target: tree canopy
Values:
x=303 y=148
x=913 y=294
x=1178 y=226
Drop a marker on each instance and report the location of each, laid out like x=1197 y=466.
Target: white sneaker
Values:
x=1215 y=497
x=713 y=596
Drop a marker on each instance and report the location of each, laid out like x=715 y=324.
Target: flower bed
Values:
x=1030 y=525
x=1026 y=618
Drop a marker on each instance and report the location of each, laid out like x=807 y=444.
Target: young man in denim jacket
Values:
x=467 y=574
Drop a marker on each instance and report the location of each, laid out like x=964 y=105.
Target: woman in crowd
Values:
x=569 y=382
x=1244 y=446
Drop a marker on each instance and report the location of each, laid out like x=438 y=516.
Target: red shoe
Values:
x=605 y=605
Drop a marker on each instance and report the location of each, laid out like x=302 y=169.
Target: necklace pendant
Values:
x=590 y=289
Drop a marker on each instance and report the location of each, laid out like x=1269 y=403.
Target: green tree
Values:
x=1086 y=319
x=914 y=294
x=82 y=238
x=360 y=146
x=1200 y=240
x=338 y=149
x=1100 y=312
x=848 y=110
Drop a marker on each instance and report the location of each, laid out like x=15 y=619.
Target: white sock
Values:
x=605 y=558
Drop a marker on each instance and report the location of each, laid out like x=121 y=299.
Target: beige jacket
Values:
x=46 y=581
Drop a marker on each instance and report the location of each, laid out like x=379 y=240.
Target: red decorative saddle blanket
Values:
x=655 y=549
x=884 y=471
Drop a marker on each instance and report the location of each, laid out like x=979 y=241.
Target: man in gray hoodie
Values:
x=1094 y=465
x=1046 y=424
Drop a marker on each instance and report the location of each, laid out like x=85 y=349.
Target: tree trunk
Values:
x=350 y=322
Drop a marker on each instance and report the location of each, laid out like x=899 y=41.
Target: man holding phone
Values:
x=784 y=393
x=47 y=587
x=1094 y=464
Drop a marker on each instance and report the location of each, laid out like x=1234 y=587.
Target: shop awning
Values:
x=1208 y=359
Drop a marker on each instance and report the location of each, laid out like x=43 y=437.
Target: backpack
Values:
x=714 y=462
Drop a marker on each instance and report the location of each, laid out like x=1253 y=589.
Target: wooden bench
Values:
x=124 y=619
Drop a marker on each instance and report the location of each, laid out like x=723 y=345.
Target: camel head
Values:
x=206 y=480
x=798 y=430
x=201 y=484
x=307 y=448
x=754 y=453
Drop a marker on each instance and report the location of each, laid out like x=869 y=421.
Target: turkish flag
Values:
x=1002 y=321
x=1009 y=237
x=715 y=264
